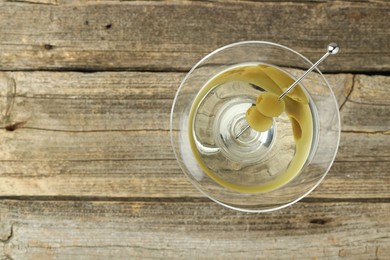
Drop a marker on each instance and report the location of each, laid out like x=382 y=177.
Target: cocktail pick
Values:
x=332 y=48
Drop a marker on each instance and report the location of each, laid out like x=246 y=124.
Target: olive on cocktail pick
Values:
x=266 y=103
x=269 y=104
x=257 y=120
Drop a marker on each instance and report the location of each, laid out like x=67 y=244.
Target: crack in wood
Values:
x=5 y=241
x=108 y=199
x=10 y=100
x=15 y=126
x=36 y=2
x=48 y=46
x=376 y=252
x=118 y=98
x=91 y=70
x=369 y=104
x=350 y=92
x=345 y=200
x=373 y=161
x=97 y=160
x=318 y=221
x=383 y=132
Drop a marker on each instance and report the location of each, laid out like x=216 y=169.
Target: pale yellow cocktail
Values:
x=294 y=127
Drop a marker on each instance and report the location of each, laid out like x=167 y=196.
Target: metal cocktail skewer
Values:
x=333 y=48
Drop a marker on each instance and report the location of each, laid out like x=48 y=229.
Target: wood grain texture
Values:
x=86 y=166
x=102 y=101
x=183 y=230
x=106 y=134
x=154 y=35
x=368 y=106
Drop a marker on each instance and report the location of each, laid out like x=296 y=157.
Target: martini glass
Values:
x=240 y=167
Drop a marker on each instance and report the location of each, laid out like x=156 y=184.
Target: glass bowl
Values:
x=256 y=171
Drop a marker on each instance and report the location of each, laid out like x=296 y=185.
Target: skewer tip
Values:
x=333 y=48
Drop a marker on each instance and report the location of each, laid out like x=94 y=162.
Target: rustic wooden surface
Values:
x=86 y=167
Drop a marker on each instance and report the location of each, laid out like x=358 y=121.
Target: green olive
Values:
x=257 y=120
x=269 y=104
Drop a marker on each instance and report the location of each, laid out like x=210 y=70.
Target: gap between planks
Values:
x=176 y=70
x=177 y=199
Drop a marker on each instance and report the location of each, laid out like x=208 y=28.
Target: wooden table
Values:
x=87 y=170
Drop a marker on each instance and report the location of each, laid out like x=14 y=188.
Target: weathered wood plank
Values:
x=163 y=229
x=107 y=134
x=128 y=101
x=175 y=35
x=101 y=101
x=163 y=178
x=141 y=164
